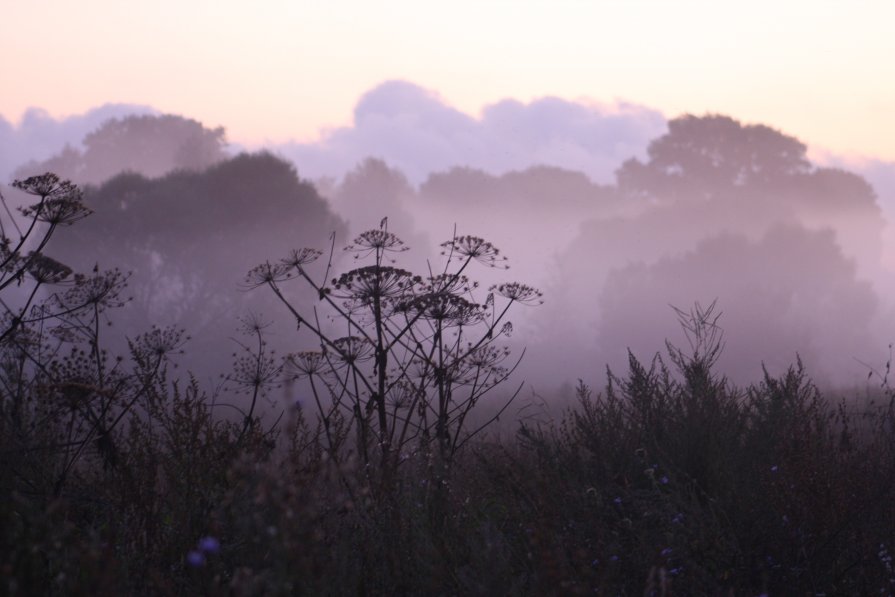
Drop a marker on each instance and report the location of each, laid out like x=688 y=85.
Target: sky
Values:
x=274 y=71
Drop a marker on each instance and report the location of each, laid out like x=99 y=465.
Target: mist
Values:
x=617 y=214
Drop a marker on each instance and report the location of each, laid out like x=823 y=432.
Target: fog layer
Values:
x=617 y=215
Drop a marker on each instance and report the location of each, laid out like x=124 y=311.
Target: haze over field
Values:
x=626 y=156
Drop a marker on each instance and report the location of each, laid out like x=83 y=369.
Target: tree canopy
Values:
x=149 y=145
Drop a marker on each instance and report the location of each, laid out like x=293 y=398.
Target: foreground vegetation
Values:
x=677 y=486
x=118 y=477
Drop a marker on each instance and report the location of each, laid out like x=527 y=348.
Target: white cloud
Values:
x=415 y=131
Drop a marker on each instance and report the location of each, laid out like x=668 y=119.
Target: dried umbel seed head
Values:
x=473 y=247
x=102 y=289
x=377 y=240
x=300 y=257
x=352 y=349
x=267 y=273
x=445 y=307
x=253 y=324
x=449 y=283
x=366 y=283
x=46 y=270
x=307 y=363
x=44 y=185
x=61 y=202
x=520 y=293
x=161 y=342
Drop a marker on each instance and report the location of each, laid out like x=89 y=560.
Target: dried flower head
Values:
x=102 y=289
x=476 y=248
x=267 y=273
x=520 y=293
x=447 y=308
x=307 y=363
x=375 y=241
x=256 y=371
x=352 y=349
x=364 y=284
x=253 y=324
x=160 y=342
x=46 y=270
x=300 y=257
x=61 y=201
x=451 y=283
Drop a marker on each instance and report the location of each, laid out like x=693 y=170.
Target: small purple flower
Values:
x=209 y=545
x=665 y=552
x=774 y=468
x=617 y=501
x=195 y=559
x=678 y=519
x=664 y=480
x=676 y=571
x=613 y=558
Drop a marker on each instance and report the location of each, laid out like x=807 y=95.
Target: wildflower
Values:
x=300 y=257
x=101 y=289
x=365 y=284
x=352 y=349
x=520 y=293
x=663 y=480
x=665 y=552
x=256 y=371
x=43 y=185
x=46 y=270
x=209 y=545
x=160 y=342
x=253 y=324
x=375 y=241
x=61 y=201
x=774 y=468
x=613 y=558
x=308 y=362
x=476 y=248
x=617 y=501
x=195 y=559
x=447 y=307
x=267 y=273
x=678 y=519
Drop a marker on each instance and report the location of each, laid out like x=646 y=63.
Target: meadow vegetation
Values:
x=119 y=477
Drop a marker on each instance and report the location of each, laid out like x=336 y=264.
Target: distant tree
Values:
x=187 y=237
x=546 y=187
x=460 y=184
x=715 y=158
x=148 y=145
x=372 y=190
x=702 y=157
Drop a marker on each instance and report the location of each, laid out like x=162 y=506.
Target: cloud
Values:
x=417 y=132
x=38 y=135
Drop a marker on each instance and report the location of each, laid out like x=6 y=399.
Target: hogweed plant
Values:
x=413 y=354
x=61 y=394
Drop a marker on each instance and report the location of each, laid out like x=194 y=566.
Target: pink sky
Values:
x=279 y=70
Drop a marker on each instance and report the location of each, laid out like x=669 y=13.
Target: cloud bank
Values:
x=415 y=131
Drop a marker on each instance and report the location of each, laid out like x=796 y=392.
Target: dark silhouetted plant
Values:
x=404 y=358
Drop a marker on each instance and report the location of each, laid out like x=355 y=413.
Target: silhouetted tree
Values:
x=148 y=145
x=187 y=237
x=702 y=157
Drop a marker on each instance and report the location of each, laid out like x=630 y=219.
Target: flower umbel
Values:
x=475 y=248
